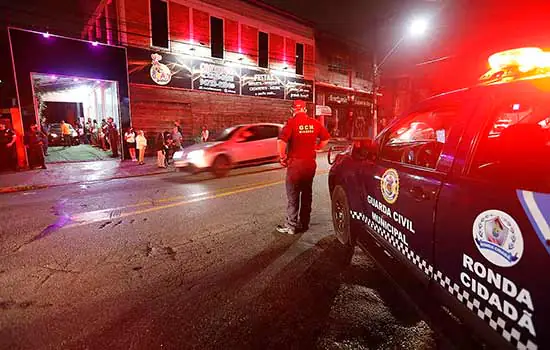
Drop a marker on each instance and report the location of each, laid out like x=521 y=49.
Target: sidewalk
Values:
x=59 y=174
x=72 y=173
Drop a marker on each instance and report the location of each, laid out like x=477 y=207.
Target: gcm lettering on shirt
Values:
x=306 y=129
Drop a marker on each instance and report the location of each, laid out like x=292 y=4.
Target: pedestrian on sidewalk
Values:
x=35 y=147
x=113 y=136
x=164 y=143
x=66 y=134
x=205 y=134
x=130 y=138
x=141 y=144
x=300 y=136
x=8 y=159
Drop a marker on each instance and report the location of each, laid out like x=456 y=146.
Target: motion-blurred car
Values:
x=235 y=146
x=55 y=137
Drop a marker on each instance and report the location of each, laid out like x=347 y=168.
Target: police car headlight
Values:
x=178 y=155
x=53 y=135
x=196 y=156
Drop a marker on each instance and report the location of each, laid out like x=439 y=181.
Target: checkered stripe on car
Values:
x=497 y=323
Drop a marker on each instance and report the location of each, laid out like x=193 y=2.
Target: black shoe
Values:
x=286 y=230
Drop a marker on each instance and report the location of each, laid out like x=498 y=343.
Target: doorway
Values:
x=73 y=113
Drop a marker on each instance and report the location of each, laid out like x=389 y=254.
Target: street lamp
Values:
x=417 y=28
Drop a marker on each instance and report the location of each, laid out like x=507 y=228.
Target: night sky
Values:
x=354 y=19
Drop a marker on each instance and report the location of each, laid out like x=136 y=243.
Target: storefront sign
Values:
x=337 y=98
x=145 y=67
x=299 y=89
x=261 y=83
x=322 y=110
x=216 y=78
x=361 y=101
x=172 y=70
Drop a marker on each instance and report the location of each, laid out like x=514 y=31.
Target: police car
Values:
x=458 y=191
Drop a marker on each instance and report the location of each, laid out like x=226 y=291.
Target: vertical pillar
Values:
x=17 y=124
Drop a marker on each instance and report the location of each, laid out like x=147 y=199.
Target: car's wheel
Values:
x=221 y=166
x=341 y=217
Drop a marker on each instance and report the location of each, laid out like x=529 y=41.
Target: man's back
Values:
x=301 y=133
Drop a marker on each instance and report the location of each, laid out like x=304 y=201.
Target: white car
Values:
x=235 y=146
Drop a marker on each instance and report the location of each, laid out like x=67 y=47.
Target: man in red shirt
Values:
x=299 y=136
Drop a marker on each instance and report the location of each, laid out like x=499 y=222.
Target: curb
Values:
x=24 y=188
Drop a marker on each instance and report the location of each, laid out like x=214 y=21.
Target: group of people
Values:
x=167 y=143
x=136 y=140
x=104 y=135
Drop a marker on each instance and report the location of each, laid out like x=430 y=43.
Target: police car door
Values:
x=492 y=225
x=401 y=188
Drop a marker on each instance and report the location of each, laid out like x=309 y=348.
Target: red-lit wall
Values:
x=189 y=24
x=179 y=22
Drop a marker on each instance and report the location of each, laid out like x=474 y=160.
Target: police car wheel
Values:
x=341 y=216
x=221 y=166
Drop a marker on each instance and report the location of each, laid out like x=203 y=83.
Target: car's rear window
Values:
x=514 y=147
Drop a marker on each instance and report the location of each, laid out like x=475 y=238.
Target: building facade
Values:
x=343 y=84
x=206 y=62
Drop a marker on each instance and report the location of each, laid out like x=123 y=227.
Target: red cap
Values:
x=299 y=104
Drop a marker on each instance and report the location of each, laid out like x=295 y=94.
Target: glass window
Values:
x=300 y=59
x=227 y=134
x=253 y=133
x=263 y=50
x=419 y=138
x=269 y=132
x=514 y=147
x=159 y=23
x=216 y=37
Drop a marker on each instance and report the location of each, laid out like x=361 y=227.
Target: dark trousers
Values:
x=67 y=142
x=36 y=156
x=113 y=140
x=8 y=158
x=299 y=191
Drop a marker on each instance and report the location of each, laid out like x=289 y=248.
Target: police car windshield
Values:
x=228 y=133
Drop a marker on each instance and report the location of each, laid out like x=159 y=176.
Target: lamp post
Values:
x=417 y=28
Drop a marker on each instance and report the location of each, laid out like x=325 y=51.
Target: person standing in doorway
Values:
x=299 y=136
x=96 y=132
x=66 y=134
x=35 y=148
x=89 y=131
x=113 y=136
x=103 y=135
x=141 y=144
x=130 y=138
x=205 y=134
x=45 y=129
x=8 y=159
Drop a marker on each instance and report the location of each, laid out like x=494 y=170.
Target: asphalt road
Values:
x=189 y=262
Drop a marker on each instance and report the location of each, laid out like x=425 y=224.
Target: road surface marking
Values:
x=105 y=214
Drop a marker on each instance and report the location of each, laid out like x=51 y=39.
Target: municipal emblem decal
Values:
x=498 y=238
x=160 y=73
x=389 y=185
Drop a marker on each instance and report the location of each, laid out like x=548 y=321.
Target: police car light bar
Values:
x=517 y=63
